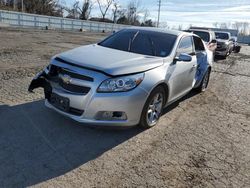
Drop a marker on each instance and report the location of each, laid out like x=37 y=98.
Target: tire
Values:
x=237 y=49
x=152 y=111
x=204 y=82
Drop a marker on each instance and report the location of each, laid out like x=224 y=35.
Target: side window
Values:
x=185 y=46
x=198 y=44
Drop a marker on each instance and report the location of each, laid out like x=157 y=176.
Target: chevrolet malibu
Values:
x=126 y=79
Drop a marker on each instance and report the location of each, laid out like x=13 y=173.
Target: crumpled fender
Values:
x=202 y=68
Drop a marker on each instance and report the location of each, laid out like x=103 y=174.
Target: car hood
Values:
x=110 y=61
x=221 y=41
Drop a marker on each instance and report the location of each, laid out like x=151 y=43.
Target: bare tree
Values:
x=146 y=15
x=216 y=24
x=73 y=11
x=86 y=9
x=134 y=8
x=121 y=16
x=245 y=28
x=165 y=25
x=45 y=7
x=223 y=25
x=115 y=11
x=104 y=6
x=237 y=25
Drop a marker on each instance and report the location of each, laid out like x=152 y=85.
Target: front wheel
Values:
x=152 y=109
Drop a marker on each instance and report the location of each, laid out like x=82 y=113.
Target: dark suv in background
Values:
x=225 y=44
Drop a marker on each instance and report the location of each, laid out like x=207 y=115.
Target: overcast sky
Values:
x=195 y=12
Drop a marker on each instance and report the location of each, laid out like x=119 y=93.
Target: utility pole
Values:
x=14 y=5
x=22 y=5
x=159 y=11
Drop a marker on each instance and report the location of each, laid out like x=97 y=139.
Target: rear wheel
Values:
x=204 y=82
x=152 y=109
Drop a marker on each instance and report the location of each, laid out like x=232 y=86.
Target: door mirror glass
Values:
x=183 y=57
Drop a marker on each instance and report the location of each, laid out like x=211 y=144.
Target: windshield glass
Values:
x=203 y=35
x=141 y=42
x=224 y=36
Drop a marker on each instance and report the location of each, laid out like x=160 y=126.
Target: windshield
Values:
x=141 y=42
x=224 y=36
x=203 y=35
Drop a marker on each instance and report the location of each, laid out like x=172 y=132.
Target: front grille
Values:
x=74 y=88
x=75 y=75
x=54 y=75
x=55 y=71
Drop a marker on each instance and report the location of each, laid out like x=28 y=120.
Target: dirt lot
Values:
x=202 y=140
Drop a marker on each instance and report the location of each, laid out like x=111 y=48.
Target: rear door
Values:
x=182 y=78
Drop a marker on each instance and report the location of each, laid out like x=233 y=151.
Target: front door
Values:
x=183 y=73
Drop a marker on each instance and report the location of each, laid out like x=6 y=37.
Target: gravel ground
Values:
x=203 y=140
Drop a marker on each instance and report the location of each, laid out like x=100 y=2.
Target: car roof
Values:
x=222 y=32
x=203 y=30
x=162 y=30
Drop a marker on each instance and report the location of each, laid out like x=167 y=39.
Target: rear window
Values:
x=141 y=42
x=224 y=36
x=203 y=35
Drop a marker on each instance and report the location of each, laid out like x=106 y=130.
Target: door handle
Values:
x=194 y=66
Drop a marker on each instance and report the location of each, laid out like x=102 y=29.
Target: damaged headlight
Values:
x=120 y=84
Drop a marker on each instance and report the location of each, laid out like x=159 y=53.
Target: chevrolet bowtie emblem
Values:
x=65 y=78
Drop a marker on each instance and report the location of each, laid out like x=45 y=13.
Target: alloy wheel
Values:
x=154 y=109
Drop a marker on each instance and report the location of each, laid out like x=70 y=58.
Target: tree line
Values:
x=242 y=27
x=110 y=10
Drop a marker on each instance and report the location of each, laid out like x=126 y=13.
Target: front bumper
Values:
x=130 y=103
x=221 y=52
x=92 y=103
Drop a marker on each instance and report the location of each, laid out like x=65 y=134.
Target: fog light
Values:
x=111 y=115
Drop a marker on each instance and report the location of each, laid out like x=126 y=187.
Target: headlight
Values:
x=120 y=84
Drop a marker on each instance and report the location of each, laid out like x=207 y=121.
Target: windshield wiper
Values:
x=131 y=41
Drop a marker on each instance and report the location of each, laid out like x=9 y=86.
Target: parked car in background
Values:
x=127 y=78
x=224 y=44
x=236 y=46
x=207 y=36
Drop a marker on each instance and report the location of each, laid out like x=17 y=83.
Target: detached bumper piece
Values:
x=41 y=81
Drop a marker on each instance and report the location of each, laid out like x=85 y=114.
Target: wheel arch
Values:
x=165 y=86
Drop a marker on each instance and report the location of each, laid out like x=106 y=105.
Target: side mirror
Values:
x=183 y=57
x=213 y=41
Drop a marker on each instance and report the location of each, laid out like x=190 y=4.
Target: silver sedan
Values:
x=127 y=79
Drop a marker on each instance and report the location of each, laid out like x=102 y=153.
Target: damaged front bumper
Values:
x=91 y=107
